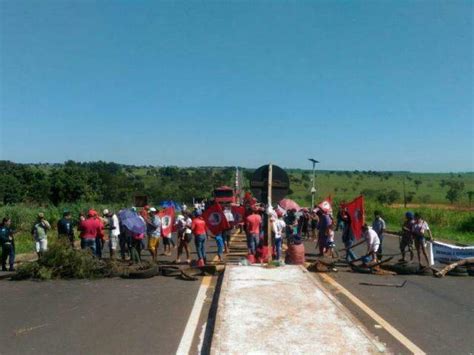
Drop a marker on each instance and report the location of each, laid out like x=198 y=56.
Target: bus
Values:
x=224 y=195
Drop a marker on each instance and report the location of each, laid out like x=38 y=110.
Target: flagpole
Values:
x=269 y=203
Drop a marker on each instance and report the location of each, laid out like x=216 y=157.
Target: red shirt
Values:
x=91 y=228
x=253 y=224
x=199 y=226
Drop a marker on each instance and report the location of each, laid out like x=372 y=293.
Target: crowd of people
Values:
x=98 y=231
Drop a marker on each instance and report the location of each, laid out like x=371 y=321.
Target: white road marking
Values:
x=193 y=320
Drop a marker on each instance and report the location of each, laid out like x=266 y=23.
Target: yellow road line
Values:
x=389 y=328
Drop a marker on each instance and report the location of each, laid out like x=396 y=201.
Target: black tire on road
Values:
x=144 y=274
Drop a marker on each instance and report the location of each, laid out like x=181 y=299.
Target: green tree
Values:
x=455 y=190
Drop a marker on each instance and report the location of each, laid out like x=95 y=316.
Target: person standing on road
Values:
x=40 y=234
x=199 y=229
x=372 y=240
x=347 y=236
x=227 y=233
x=253 y=223
x=324 y=231
x=113 y=226
x=7 y=243
x=66 y=228
x=183 y=224
x=153 y=227
x=420 y=232
x=406 y=239
x=278 y=227
x=379 y=227
x=91 y=229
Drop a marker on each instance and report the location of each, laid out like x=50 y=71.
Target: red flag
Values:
x=357 y=214
x=167 y=221
x=326 y=205
x=239 y=214
x=215 y=219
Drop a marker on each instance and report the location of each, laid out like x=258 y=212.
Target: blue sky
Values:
x=379 y=85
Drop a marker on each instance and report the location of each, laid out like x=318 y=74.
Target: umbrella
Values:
x=288 y=204
x=132 y=221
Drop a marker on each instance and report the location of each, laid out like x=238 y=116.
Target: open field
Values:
x=27 y=189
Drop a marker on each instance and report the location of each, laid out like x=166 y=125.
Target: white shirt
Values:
x=371 y=238
x=278 y=227
x=228 y=215
x=114 y=225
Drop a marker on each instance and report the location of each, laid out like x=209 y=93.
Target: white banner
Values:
x=448 y=253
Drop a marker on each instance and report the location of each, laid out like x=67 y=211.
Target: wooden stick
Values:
x=452 y=266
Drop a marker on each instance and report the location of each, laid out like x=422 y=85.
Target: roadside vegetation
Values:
x=445 y=199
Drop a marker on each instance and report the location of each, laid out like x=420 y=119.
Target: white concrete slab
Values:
x=283 y=311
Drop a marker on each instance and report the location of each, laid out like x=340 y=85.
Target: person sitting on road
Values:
x=40 y=234
x=419 y=231
x=379 y=227
x=153 y=229
x=406 y=239
x=66 y=228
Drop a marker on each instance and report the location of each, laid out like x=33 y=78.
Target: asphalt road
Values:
x=149 y=316
x=435 y=314
x=108 y=316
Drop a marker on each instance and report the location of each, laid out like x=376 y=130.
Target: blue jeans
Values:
x=200 y=242
x=349 y=254
x=220 y=244
x=98 y=247
x=89 y=244
x=278 y=244
x=380 y=252
x=252 y=243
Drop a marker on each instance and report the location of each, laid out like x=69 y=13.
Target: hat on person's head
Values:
x=146 y=207
x=106 y=212
x=134 y=209
x=92 y=213
x=41 y=215
x=409 y=215
x=66 y=212
x=152 y=209
x=279 y=213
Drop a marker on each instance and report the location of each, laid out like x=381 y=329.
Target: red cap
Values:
x=92 y=213
x=146 y=207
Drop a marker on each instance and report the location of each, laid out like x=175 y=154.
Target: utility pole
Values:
x=313 y=189
x=269 y=203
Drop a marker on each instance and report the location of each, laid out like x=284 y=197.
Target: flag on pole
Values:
x=355 y=209
x=325 y=206
x=215 y=219
x=167 y=221
x=239 y=214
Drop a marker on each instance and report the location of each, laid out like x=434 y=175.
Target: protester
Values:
x=198 y=227
x=220 y=245
x=7 y=243
x=66 y=228
x=145 y=212
x=40 y=234
x=91 y=229
x=406 y=240
x=125 y=241
x=347 y=236
x=324 y=231
x=278 y=227
x=314 y=224
x=253 y=224
x=154 y=233
x=183 y=225
x=113 y=226
x=372 y=240
x=421 y=231
x=378 y=226
x=227 y=233
x=100 y=239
